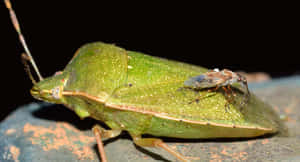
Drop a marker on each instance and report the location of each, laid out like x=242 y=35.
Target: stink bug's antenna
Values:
x=24 y=59
x=22 y=40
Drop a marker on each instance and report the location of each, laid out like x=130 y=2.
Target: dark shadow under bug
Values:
x=60 y=114
x=151 y=154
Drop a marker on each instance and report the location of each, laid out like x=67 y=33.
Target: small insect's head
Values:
x=50 y=89
x=241 y=78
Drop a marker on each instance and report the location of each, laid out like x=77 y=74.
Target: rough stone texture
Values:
x=46 y=132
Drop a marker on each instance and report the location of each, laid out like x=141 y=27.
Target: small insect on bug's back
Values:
x=216 y=79
x=133 y=92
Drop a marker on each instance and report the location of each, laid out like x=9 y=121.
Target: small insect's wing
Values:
x=202 y=81
x=191 y=82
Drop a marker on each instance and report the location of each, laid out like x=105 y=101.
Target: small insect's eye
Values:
x=56 y=93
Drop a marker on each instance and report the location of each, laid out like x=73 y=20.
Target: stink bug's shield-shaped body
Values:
x=138 y=93
x=141 y=94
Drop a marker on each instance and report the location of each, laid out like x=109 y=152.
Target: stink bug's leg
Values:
x=100 y=133
x=155 y=142
x=107 y=133
x=97 y=134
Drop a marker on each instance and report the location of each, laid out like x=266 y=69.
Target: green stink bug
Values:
x=141 y=94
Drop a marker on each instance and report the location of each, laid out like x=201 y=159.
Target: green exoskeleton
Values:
x=133 y=92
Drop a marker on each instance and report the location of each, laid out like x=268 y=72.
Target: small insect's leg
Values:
x=195 y=100
x=214 y=89
x=245 y=100
x=230 y=90
x=227 y=106
x=155 y=142
x=228 y=98
x=226 y=91
x=100 y=133
x=246 y=95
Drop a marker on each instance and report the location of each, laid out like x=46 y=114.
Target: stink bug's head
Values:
x=50 y=89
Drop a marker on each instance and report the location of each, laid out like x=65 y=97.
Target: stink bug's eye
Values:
x=56 y=92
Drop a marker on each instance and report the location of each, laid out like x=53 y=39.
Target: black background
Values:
x=249 y=37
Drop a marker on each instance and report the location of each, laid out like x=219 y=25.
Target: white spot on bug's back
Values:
x=216 y=70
